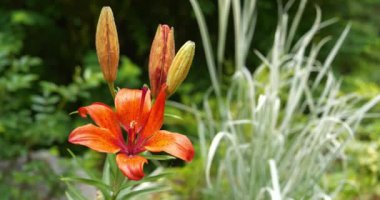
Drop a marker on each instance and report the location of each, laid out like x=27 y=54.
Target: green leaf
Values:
x=26 y=17
x=74 y=112
x=71 y=153
x=53 y=99
x=68 y=196
x=112 y=174
x=106 y=172
x=78 y=162
x=111 y=159
x=129 y=195
x=173 y=116
x=105 y=189
x=144 y=180
x=73 y=193
x=38 y=99
x=159 y=157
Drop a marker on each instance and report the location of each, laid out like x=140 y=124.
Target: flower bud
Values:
x=161 y=56
x=107 y=44
x=180 y=66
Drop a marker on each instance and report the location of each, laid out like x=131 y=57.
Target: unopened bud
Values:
x=161 y=56
x=107 y=44
x=180 y=66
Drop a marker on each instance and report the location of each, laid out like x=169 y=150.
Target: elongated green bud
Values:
x=180 y=67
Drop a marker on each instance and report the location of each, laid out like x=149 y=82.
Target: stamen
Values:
x=144 y=90
x=132 y=133
x=140 y=123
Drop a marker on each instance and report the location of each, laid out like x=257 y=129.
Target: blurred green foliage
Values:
x=359 y=64
x=48 y=68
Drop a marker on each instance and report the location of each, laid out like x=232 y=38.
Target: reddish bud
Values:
x=161 y=56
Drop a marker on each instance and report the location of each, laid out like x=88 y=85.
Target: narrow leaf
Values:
x=159 y=157
x=73 y=193
x=141 y=192
x=105 y=189
x=144 y=180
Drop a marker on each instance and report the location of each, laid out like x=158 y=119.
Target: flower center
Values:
x=135 y=126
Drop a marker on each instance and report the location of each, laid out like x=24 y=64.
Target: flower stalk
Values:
x=111 y=87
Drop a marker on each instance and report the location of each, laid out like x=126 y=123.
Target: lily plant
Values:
x=134 y=125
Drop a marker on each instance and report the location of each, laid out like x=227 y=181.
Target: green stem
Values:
x=111 y=87
x=116 y=177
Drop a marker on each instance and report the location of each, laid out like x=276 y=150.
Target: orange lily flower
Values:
x=141 y=122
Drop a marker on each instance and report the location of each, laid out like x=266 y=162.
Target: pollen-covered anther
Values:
x=133 y=124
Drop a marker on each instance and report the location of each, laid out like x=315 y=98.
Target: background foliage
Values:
x=48 y=68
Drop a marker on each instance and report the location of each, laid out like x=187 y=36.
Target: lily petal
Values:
x=128 y=107
x=131 y=166
x=175 y=144
x=104 y=117
x=98 y=139
x=156 y=116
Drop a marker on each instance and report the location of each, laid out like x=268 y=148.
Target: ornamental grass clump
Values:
x=278 y=126
x=132 y=129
